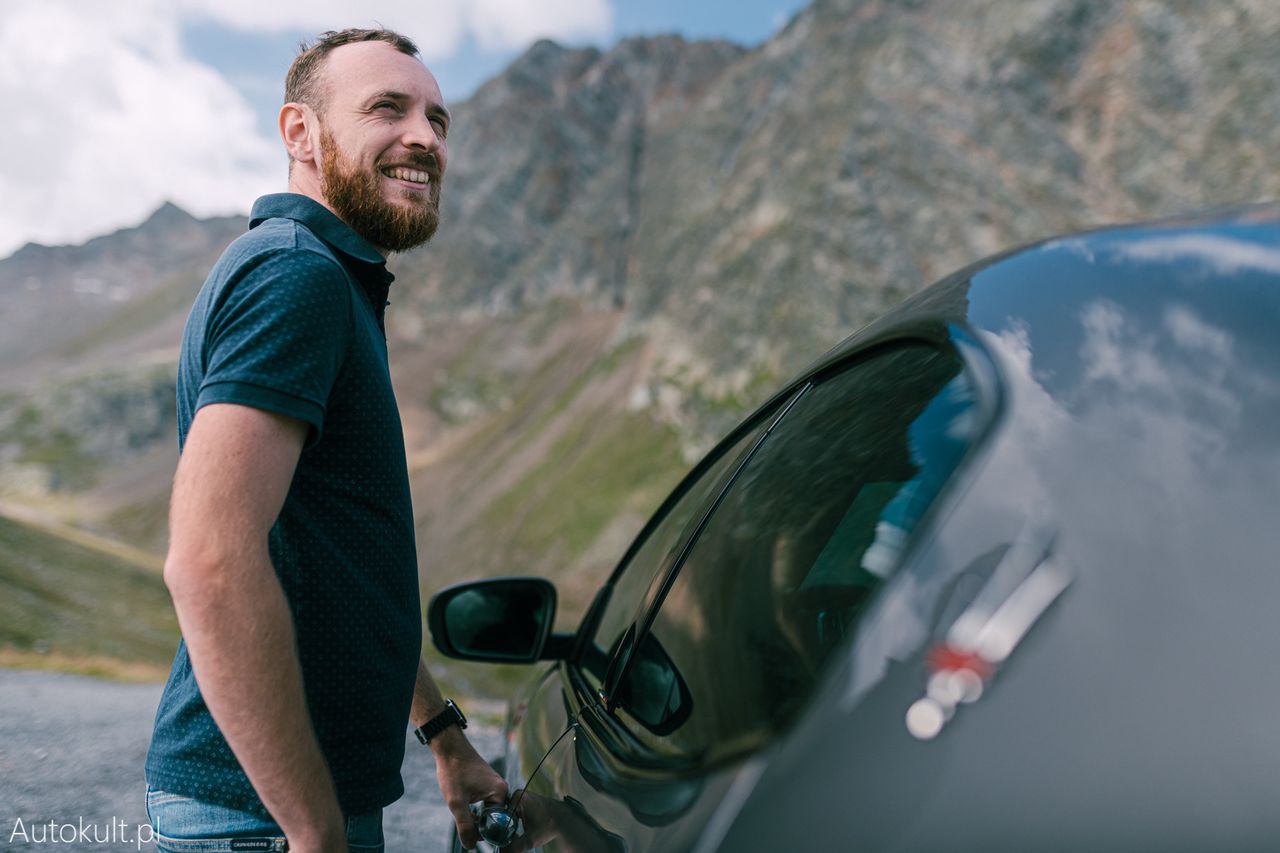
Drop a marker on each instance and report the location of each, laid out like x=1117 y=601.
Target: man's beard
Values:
x=356 y=196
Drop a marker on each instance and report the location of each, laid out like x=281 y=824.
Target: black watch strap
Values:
x=451 y=715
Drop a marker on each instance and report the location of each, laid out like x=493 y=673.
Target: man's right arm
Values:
x=232 y=479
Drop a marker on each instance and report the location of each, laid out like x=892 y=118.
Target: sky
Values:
x=113 y=107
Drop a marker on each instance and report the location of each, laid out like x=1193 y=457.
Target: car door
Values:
x=817 y=508
x=543 y=718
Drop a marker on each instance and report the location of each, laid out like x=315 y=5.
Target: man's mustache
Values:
x=428 y=163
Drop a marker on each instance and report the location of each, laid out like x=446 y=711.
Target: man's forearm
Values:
x=428 y=701
x=240 y=638
x=427 y=698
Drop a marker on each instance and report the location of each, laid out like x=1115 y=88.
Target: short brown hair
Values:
x=302 y=85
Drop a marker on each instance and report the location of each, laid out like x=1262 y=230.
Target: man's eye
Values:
x=386 y=105
x=441 y=128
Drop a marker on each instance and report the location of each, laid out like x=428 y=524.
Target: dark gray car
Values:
x=999 y=572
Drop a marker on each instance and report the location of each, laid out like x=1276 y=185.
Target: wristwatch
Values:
x=451 y=715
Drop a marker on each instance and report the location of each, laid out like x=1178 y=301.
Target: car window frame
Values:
x=772 y=412
x=979 y=369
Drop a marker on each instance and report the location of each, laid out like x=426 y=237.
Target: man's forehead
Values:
x=365 y=69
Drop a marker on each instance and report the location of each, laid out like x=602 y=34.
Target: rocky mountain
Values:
x=640 y=243
x=59 y=304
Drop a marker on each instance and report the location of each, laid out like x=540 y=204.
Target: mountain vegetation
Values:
x=638 y=245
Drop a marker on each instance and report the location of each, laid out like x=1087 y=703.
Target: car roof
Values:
x=1173 y=251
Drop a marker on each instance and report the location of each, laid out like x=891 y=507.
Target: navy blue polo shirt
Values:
x=290 y=320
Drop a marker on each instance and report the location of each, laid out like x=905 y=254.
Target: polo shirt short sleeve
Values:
x=278 y=338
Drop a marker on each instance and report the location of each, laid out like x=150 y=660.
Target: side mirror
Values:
x=502 y=620
x=653 y=690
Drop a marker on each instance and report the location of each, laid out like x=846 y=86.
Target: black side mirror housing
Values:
x=500 y=620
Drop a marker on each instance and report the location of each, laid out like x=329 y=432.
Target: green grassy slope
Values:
x=68 y=605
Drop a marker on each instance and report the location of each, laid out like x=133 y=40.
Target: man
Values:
x=292 y=561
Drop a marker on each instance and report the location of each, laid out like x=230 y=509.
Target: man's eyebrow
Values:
x=387 y=95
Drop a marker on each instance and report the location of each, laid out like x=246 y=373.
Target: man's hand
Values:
x=547 y=820
x=465 y=778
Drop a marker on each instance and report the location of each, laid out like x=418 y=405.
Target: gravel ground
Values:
x=71 y=752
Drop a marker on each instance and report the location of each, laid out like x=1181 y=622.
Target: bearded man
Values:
x=292 y=561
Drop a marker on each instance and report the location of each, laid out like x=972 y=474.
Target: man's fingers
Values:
x=466 y=823
x=497 y=791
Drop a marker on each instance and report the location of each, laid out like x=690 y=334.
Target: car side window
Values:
x=659 y=549
x=812 y=526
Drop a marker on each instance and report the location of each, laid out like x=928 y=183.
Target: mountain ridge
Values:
x=639 y=244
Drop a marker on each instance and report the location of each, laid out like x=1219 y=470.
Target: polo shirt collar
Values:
x=322 y=222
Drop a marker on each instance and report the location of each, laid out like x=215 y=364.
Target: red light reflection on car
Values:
x=985 y=634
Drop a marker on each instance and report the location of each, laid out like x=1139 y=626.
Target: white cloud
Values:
x=1193 y=333
x=1226 y=255
x=499 y=24
x=1078 y=246
x=438 y=27
x=107 y=119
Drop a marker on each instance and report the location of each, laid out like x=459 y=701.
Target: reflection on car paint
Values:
x=1025 y=582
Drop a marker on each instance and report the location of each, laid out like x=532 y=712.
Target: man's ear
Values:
x=299 y=130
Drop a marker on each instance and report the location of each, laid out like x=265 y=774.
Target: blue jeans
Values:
x=184 y=825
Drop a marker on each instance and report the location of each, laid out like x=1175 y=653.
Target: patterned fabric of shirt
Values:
x=290 y=321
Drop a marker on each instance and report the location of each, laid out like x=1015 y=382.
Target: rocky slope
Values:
x=640 y=243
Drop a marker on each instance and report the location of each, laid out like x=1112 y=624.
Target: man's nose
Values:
x=421 y=133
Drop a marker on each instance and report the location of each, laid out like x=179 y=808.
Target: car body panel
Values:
x=1127 y=490
x=609 y=808
x=1143 y=425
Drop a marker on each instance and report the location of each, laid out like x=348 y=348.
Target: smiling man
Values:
x=292 y=560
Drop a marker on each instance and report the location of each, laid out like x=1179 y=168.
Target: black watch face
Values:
x=462 y=718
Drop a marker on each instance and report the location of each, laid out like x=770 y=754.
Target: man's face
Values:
x=382 y=144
